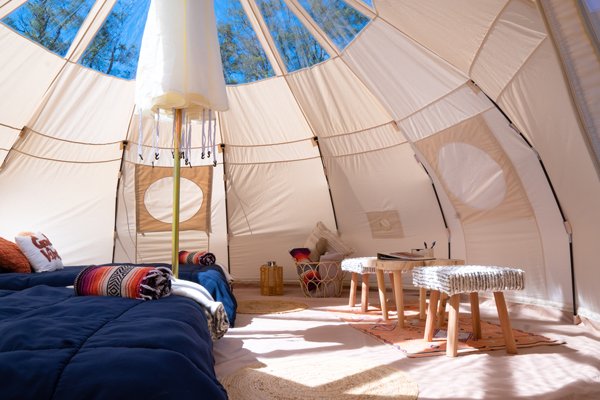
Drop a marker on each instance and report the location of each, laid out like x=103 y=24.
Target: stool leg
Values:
x=399 y=296
x=452 y=337
x=364 y=293
x=381 y=289
x=441 y=317
x=475 y=319
x=353 y=284
x=431 y=315
x=422 y=302
x=511 y=345
x=391 y=275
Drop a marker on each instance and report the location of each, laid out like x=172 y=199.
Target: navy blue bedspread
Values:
x=211 y=277
x=55 y=345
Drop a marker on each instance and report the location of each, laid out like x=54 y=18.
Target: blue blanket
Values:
x=55 y=345
x=211 y=277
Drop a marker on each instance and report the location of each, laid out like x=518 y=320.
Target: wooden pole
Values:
x=176 y=182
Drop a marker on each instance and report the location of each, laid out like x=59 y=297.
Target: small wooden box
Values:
x=271 y=280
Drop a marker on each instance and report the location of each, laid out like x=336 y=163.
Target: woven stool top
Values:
x=360 y=265
x=469 y=278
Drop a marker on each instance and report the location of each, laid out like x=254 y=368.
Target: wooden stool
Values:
x=359 y=266
x=454 y=280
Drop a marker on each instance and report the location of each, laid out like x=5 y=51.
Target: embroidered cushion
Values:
x=136 y=282
x=39 y=251
x=12 y=258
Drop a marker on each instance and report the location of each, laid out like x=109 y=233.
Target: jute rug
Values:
x=270 y=306
x=410 y=338
x=332 y=379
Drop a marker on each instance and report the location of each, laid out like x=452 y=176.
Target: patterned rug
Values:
x=270 y=306
x=301 y=378
x=410 y=338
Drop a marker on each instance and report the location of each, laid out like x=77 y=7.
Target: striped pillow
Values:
x=144 y=283
x=197 y=257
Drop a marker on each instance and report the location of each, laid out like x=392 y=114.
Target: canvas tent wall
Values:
x=429 y=125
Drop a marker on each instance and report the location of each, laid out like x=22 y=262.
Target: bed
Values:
x=211 y=277
x=57 y=345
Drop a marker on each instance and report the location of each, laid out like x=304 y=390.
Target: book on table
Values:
x=402 y=255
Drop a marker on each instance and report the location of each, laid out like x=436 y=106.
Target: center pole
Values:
x=176 y=181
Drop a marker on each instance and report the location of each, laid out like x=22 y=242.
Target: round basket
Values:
x=320 y=279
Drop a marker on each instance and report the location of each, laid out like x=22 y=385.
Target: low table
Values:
x=396 y=267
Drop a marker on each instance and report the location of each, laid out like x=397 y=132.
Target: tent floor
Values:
x=569 y=371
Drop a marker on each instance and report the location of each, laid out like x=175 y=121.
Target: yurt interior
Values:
x=299 y=199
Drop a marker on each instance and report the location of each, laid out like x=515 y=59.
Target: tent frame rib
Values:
x=124 y=145
x=316 y=140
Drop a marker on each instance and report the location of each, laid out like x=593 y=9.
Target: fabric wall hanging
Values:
x=153 y=187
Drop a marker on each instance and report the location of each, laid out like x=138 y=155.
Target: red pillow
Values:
x=300 y=254
x=12 y=258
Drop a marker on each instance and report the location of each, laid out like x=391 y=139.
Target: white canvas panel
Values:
x=404 y=75
x=77 y=216
x=454 y=232
x=277 y=197
x=217 y=240
x=538 y=103
x=302 y=150
x=126 y=235
x=334 y=100
x=10 y=6
x=553 y=236
x=368 y=140
x=386 y=180
x=577 y=45
x=457 y=106
x=520 y=248
x=263 y=113
x=86 y=106
x=31 y=69
x=8 y=136
x=3 y=154
x=435 y=24
x=41 y=146
x=155 y=247
x=248 y=253
x=499 y=58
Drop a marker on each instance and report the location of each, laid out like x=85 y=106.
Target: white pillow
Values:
x=334 y=243
x=39 y=251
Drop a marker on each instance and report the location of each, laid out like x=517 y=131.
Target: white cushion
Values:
x=39 y=251
x=334 y=243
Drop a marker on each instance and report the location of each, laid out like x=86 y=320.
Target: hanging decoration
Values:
x=180 y=75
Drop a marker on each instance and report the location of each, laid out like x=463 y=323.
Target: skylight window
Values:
x=337 y=19
x=243 y=57
x=116 y=47
x=298 y=48
x=51 y=23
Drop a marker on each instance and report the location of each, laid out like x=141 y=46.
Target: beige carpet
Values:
x=269 y=306
x=333 y=379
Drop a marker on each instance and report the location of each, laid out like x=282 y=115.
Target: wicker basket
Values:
x=320 y=279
